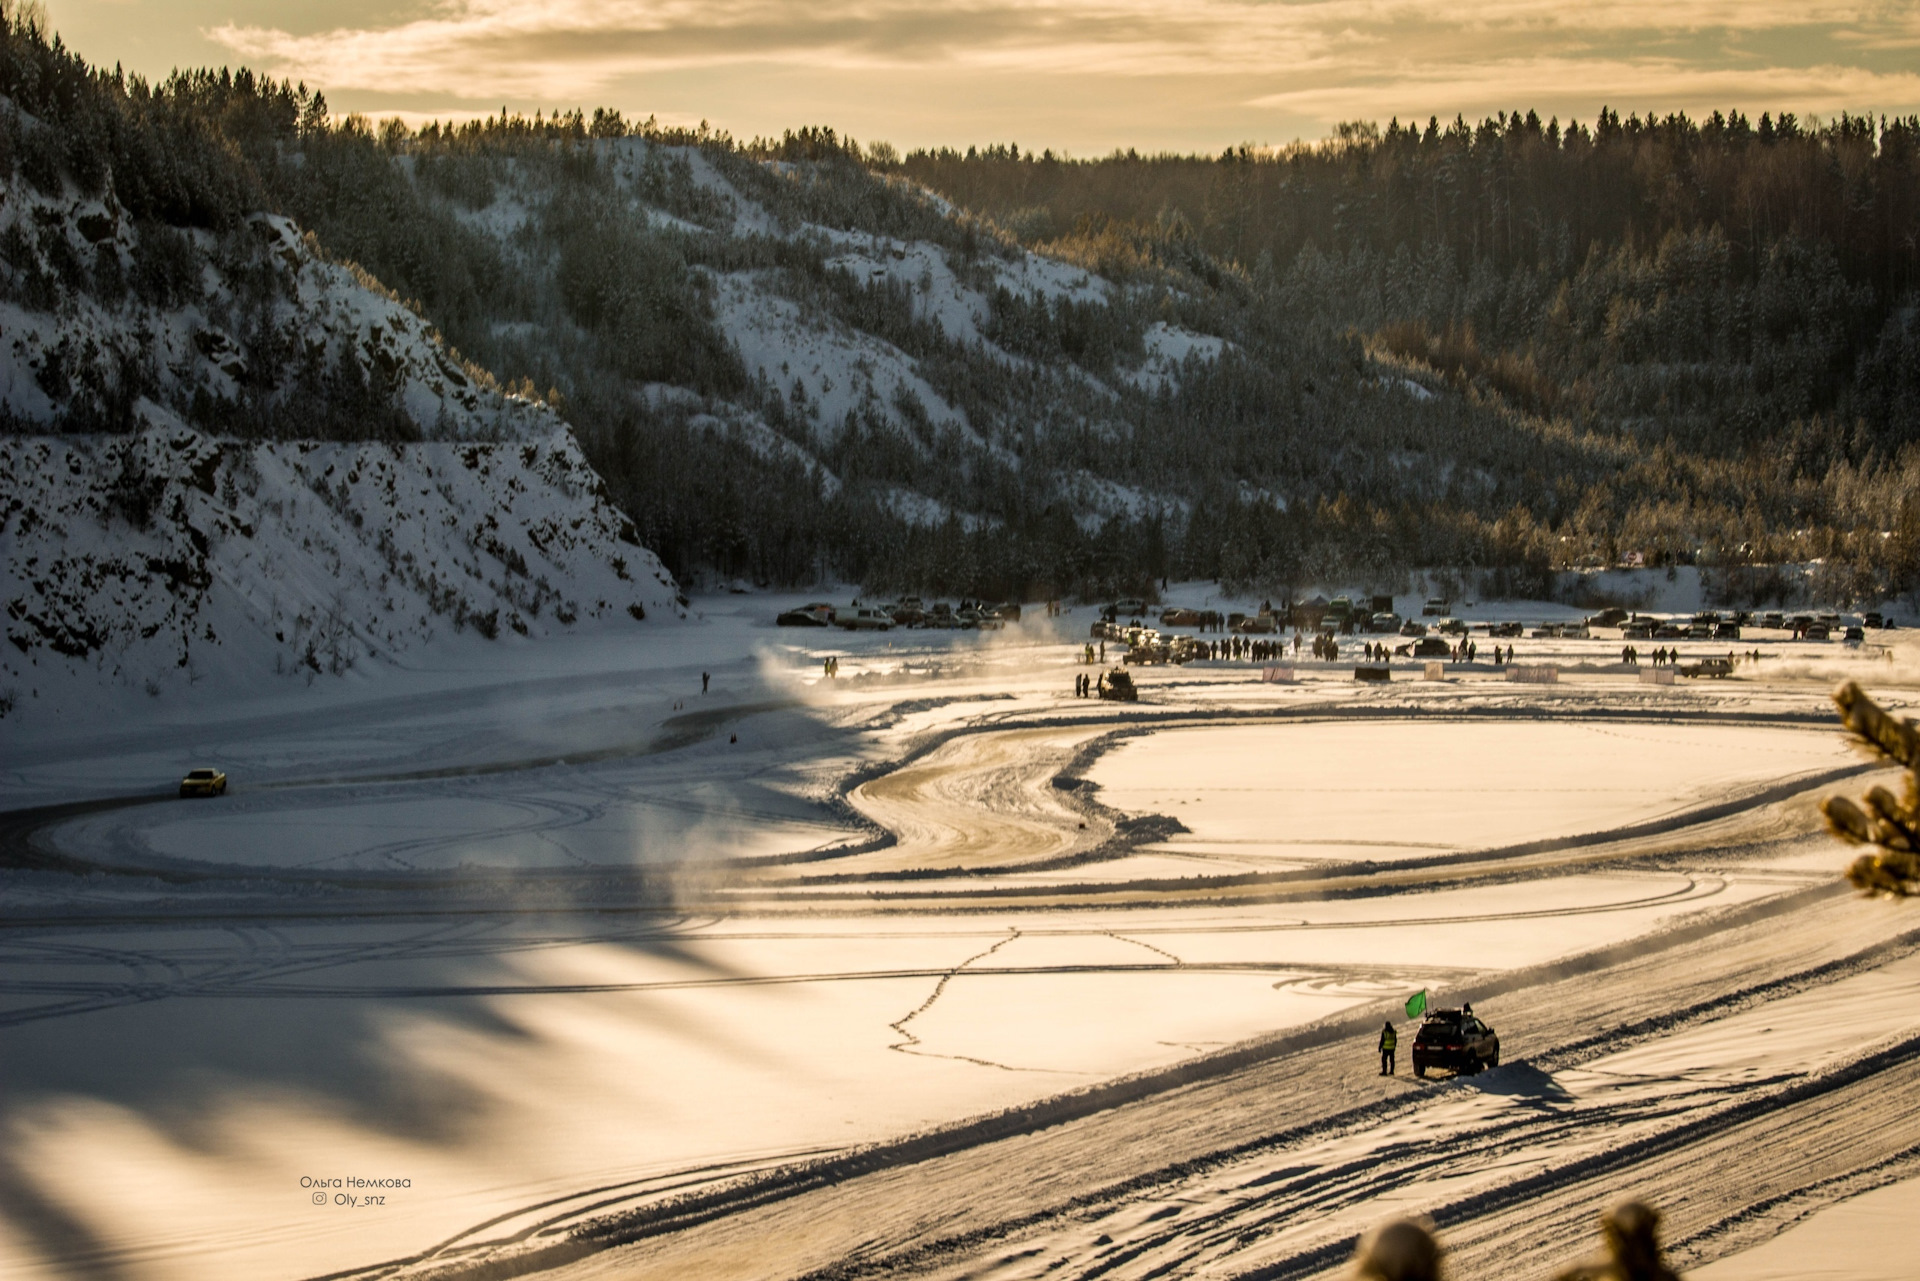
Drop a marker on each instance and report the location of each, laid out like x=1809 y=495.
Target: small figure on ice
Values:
x=1389 y=1039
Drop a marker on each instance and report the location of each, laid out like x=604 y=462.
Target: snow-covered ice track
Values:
x=1115 y=1156
x=20 y=828
x=630 y=1094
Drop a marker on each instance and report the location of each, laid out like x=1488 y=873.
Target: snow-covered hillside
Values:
x=196 y=322
x=842 y=329
x=154 y=561
x=350 y=490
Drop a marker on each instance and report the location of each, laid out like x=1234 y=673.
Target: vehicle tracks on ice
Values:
x=911 y=1044
x=1241 y=1170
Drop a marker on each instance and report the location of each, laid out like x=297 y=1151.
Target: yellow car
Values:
x=204 y=782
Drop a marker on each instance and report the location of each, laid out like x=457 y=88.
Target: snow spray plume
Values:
x=1400 y=1250
x=1888 y=825
x=1632 y=1233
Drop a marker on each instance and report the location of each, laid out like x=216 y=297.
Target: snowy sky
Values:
x=1081 y=75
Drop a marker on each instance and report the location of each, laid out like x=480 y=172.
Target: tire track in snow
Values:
x=1142 y=943
x=911 y=1044
x=763 y=1199
x=1252 y=1206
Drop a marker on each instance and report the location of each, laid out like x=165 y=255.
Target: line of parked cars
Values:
x=1724 y=625
x=910 y=611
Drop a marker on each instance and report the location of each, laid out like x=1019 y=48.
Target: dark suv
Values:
x=1456 y=1041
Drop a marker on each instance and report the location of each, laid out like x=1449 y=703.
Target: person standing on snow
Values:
x=1388 y=1040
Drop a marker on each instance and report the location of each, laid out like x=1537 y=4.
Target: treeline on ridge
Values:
x=1708 y=361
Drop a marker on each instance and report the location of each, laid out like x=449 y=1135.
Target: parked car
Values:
x=1184 y=649
x=1727 y=631
x=865 y=618
x=1435 y=607
x=1512 y=630
x=818 y=614
x=1455 y=1041
x=1432 y=647
x=1172 y=617
x=1384 y=623
x=1819 y=631
x=1611 y=616
x=1773 y=618
x=1637 y=631
x=1854 y=635
x=204 y=782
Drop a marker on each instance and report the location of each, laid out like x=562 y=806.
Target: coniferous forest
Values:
x=1507 y=348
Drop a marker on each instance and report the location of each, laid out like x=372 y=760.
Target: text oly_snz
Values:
x=368 y=1191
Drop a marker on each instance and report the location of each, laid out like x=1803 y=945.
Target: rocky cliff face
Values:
x=375 y=491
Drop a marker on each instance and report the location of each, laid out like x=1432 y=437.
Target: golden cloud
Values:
x=1318 y=58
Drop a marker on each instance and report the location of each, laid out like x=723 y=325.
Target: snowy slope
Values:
x=87 y=349
x=154 y=561
x=826 y=371
x=141 y=555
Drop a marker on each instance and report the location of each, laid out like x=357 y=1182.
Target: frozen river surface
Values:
x=526 y=1043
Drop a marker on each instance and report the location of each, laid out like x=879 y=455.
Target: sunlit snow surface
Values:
x=167 y=1083
x=1351 y=791
x=1865 y=1238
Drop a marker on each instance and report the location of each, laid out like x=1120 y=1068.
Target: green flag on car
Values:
x=1417 y=1004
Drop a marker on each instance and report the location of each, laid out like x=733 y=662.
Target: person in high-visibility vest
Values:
x=1388 y=1040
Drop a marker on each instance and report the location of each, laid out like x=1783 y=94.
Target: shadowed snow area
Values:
x=532 y=939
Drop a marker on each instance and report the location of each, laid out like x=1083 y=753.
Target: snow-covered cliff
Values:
x=375 y=491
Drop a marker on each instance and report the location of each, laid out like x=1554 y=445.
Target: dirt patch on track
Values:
x=979 y=801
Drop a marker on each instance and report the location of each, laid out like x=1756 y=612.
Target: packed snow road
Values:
x=619 y=981
x=1758 y=1089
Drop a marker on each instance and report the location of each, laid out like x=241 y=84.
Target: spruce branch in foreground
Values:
x=1888 y=825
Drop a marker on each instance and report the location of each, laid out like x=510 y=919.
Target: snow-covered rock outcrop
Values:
x=228 y=456
x=154 y=560
x=257 y=327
